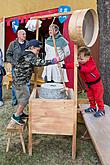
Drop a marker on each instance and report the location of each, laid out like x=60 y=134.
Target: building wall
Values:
x=9 y=8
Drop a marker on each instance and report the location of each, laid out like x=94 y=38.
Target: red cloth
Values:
x=70 y=58
x=90 y=73
x=10 y=35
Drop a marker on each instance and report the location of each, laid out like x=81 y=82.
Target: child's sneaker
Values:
x=17 y=119
x=99 y=113
x=23 y=115
x=90 y=110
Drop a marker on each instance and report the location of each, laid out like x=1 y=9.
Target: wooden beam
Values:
x=75 y=103
x=52 y=15
x=37 y=37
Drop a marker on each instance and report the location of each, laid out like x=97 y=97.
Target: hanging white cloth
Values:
x=31 y=25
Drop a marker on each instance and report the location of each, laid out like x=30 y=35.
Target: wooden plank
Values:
x=33 y=94
x=99 y=130
x=75 y=102
x=30 y=123
x=83 y=101
x=80 y=118
x=37 y=36
x=52 y=116
x=52 y=15
x=14 y=127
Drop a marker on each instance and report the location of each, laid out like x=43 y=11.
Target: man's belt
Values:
x=92 y=83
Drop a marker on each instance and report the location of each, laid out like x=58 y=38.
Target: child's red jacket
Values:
x=88 y=71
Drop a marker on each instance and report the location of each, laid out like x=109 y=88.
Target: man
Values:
x=13 y=53
x=53 y=73
x=23 y=72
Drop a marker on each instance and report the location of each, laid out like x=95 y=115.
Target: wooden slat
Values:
x=83 y=101
x=99 y=130
x=75 y=102
x=52 y=116
x=30 y=123
x=14 y=127
x=52 y=15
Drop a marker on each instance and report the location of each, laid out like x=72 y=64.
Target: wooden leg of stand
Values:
x=8 y=143
x=22 y=142
x=86 y=135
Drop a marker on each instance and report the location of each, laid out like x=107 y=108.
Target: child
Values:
x=22 y=74
x=92 y=79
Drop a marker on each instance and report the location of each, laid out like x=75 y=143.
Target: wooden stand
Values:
x=13 y=128
x=48 y=116
x=58 y=117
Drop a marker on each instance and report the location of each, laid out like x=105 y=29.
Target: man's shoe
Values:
x=17 y=120
x=90 y=110
x=99 y=113
x=23 y=115
x=1 y=103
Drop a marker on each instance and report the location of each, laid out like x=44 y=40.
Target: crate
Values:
x=52 y=116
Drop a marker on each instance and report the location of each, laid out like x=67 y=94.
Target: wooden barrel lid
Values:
x=83 y=27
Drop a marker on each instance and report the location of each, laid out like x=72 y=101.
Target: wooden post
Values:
x=22 y=142
x=30 y=130
x=51 y=15
x=75 y=103
x=37 y=29
x=35 y=86
x=8 y=143
x=37 y=36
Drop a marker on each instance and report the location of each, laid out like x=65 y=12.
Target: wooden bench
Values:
x=99 y=131
x=13 y=128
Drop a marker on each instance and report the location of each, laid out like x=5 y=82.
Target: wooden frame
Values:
x=51 y=116
x=61 y=117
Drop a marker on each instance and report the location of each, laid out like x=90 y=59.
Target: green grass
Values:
x=47 y=150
